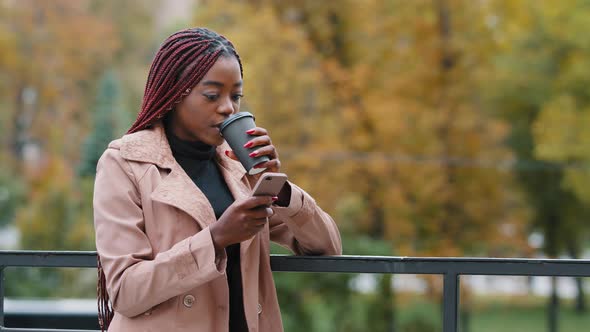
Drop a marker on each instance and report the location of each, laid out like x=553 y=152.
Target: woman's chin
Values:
x=216 y=141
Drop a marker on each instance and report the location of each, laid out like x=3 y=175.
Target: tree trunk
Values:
x=551 y=248
x=18 y=137
x=444 y=104
x=580 y=304
x=386 y=303
x=377 y=231
x=581 y=297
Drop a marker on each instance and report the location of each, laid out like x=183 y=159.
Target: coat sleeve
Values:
x=304 y=227
x=136 y=279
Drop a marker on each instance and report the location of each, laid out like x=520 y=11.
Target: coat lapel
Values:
x=175 y=189
x=233 y=173
x=178 y=190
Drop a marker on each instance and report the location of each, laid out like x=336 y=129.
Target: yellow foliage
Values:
x=357 y=97
x=375 y=110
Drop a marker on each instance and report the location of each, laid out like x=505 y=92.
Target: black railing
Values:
x=450 y=268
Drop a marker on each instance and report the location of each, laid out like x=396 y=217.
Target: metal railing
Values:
x=450 y=268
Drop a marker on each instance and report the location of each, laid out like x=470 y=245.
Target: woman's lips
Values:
x=217 y=129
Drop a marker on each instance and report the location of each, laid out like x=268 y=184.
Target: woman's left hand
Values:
x=261 y=138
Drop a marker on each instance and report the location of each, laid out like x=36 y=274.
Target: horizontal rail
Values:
x=438 y=265
x=451 y=268
x=347 y=264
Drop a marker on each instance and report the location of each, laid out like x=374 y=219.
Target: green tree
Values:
x=134 y=24
x=104 y=125
x=11 y=195
x=50 y=223
x=44 y=70
x=540 y=84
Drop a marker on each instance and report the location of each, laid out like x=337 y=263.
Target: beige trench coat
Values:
x=153 y=238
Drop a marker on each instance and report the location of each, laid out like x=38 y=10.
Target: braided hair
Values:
x=180 y=63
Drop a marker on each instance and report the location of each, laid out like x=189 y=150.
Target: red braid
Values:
x=181 y=62
x=164 y=79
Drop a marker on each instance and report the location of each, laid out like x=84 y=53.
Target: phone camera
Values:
x=269 y=178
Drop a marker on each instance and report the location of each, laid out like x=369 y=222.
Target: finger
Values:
x=267 y=150
x=273 y=165
x=255 y=224
x=257 y=131
x=257 y=201
x=231 y=154
x=258 y=222
x=258 y=141
x=261 y=222
x=261 y=213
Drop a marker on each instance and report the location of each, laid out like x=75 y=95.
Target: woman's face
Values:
x=198 y=116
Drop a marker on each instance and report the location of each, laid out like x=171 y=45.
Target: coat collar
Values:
x=151 y=146
x=177 y=189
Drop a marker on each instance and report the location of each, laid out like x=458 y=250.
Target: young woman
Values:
x=182 y=243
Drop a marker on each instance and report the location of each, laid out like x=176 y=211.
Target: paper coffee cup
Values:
x=233 y=129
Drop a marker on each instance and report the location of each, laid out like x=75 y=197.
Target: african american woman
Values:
x=183 y=244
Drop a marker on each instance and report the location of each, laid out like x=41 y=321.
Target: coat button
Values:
x=259 y=308
x=188 y=301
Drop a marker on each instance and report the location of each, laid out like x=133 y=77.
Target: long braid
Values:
x=105 y=311
x=172 y=97
x=195 y=49
x=164 y=79
x=181 y=62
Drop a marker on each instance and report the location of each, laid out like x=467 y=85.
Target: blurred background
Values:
x=424 y=127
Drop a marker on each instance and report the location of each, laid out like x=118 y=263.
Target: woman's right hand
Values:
x=241 y=221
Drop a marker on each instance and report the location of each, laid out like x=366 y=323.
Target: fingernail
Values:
x=253 y=154
x=249 y=131
x=275 y=198
x=227 y=153
x=247 y=145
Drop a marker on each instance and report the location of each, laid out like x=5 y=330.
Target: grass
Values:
x=523 y=315
x=491 y=314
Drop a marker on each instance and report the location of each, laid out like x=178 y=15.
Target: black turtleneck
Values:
x=198 y=161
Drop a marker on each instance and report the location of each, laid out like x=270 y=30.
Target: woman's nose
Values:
x=226 y=107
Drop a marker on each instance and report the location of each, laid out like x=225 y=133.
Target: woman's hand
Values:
x=241 y=221
x=262 y=139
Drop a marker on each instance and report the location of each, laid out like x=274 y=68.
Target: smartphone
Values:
x=269 y=184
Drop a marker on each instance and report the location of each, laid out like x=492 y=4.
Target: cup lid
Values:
x=233 y=118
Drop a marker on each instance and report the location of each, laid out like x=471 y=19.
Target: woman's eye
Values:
x=237 y=97
x=211 y=97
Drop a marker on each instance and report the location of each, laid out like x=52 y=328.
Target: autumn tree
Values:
x=49 y=70
x=133 y=22
x=104 y=125
x=48 y=83
x=540 y=85
x=391 y=123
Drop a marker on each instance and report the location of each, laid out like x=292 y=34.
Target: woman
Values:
x=181 y=241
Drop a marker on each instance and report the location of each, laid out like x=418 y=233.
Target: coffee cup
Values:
x=233 y=129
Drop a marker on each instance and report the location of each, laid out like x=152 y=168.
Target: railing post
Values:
x=1 y=297
x=450 y=302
